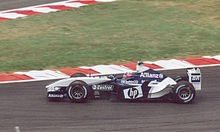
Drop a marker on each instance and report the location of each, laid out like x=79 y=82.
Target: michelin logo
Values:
x=150 y=75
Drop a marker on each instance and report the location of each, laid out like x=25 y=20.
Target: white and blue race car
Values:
x=144 y=84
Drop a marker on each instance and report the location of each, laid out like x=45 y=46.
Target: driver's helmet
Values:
x=127 y=75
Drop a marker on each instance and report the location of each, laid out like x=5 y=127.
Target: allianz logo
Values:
x=150 y=75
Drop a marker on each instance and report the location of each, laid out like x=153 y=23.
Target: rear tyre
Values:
x=78 y=92
x=184 y=92
x=182 y=78
x=78 y=75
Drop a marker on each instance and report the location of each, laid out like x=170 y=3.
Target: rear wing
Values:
x=195 y=78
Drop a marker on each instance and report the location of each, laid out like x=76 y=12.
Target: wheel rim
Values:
x=77 y=92
x=185 y=93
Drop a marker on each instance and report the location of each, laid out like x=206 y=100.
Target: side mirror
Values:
x=112 y=77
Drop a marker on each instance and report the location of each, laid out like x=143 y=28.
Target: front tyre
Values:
x=78 y=92
x=184 y=92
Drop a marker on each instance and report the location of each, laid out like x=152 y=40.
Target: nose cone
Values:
x=50 y=85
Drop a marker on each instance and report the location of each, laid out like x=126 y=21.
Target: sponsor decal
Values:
x=129 y=81
x=195 y=77
x=55 y=95
x=133 y=93
x=52 y=89
x=151 y=75
x=103 y=87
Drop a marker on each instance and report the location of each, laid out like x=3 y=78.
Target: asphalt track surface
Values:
x=14 y=4
x=25 y=105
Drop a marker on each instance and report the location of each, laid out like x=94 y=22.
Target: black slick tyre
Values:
x=78 y=92
x=184 y=92
x=182 y=78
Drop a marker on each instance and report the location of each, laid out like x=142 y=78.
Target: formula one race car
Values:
x=144 y=84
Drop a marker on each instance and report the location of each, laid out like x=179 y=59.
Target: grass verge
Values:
x=118 y=32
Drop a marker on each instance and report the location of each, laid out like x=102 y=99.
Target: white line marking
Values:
x=11 y=15
x=17 y=129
